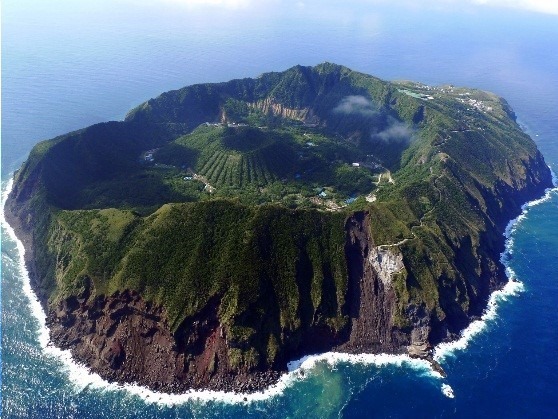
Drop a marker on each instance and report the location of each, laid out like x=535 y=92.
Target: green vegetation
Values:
x=240 y=192
x=253 y=258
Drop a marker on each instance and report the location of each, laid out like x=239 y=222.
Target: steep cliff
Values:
x=314 y=209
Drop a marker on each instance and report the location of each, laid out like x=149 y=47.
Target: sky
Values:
x=540 y=6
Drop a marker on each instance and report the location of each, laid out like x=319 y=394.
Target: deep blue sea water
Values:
x=68 y=64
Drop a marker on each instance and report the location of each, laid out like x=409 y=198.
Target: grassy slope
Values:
x=252 y=258
x=450 y=192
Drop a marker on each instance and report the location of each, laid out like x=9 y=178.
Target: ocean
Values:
x=69 y=64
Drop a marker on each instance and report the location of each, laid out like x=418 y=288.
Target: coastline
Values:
x=82 y=376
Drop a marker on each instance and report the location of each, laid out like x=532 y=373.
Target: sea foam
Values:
x=512 y=288
x=448 y=391
x=81 y=377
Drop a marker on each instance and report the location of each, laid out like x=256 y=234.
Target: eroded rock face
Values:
x=126 y=339
x=272 y=107
x=385 y=262
x=371 y=294
x=118 y=333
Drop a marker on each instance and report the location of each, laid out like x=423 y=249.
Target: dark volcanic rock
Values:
x=371 y=299
x=125 y=339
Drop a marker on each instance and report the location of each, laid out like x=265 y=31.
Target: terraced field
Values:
x=235 y=157
x=243 y=156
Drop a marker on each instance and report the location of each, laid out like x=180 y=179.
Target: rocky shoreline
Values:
x=126 y=340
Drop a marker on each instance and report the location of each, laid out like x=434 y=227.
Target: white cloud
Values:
x=355 y=105
x=229 y=4
x=542 y=6
x=396 y=131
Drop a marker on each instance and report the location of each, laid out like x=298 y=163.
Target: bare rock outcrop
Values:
x=126 y=339
x=371 y=294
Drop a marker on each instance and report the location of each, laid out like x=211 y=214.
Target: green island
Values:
x=222 y=230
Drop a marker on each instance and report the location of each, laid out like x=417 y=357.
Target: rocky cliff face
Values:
x=371 y=294
x=270 y=106
x=126 y=339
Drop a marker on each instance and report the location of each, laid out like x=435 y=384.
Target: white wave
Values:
x=296 y=373
x=34 y=303
x=448 y=391
x=512 y=288
x=446 y=349
x=512 y=225
x=81 y=377
x=5 y=193
x=379 y=360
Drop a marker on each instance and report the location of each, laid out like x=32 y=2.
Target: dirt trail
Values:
x=421 y=221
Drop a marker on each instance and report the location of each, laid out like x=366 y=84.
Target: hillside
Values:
x=224 y=229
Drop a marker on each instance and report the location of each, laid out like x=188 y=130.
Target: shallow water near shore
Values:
x=502 y=367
